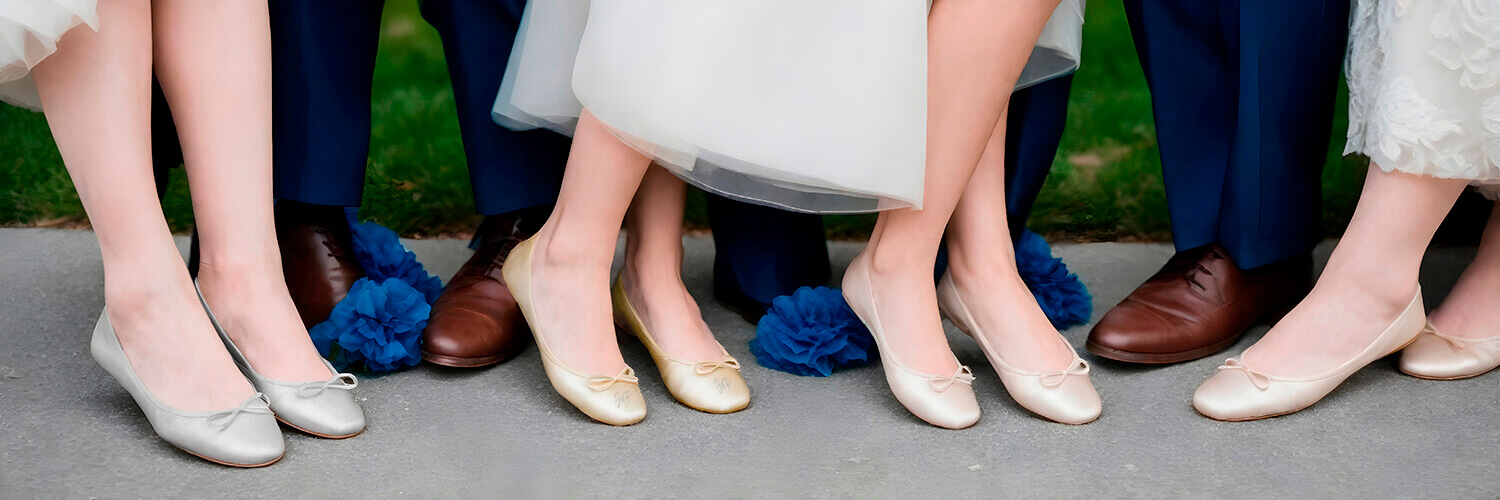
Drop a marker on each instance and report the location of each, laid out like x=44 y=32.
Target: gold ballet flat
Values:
x=1066 y=395
x=1439 y=356
x=614 y=400
x=1239 y=392
x=709 y=386
x=943 y=400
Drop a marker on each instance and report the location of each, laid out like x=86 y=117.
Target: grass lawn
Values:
x=1105 y=183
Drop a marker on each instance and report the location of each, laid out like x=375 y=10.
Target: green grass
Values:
x=1105 y=183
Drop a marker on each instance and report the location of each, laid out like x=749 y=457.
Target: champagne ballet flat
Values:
x=614 y=400
x=1439 y=356
x=1066 y=396
x=1238 y=392
x=324 y=408
x=243 y=436
x=709 y=386
x=945 y=401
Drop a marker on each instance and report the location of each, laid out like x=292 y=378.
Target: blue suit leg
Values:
x=762 y=253
x=508 y=170
x=1185 y=47
x=323 y=62
x=1290 y=55
x=1033 y=132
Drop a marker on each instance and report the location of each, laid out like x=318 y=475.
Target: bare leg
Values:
x=214 y=63
x=653 y=269
x=570 y=266
x=982 y=261
x=1470 y=309
x=1370 y=278
x=97 y=94
x=972 y=67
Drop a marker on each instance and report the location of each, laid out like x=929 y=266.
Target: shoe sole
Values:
x=457 y=362
x=231 y=464
x=315 y=434
x=1460 y=377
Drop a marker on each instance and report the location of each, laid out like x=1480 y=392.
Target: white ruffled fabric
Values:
x=29 y=31
x=1424 y=88
x=807 y=105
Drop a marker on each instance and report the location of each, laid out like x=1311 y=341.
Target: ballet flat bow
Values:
x=1260 y=380
x=1054 y=378
x=221 y=420
x=707 y=367
x=342 y=381
x=962 y=376
x=601 y=383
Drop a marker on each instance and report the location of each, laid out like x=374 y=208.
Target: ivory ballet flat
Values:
x=1439 y=356
x=709 y=386
x=243 y=436
x=614 y=400
x=324 y=408
x=1238 y=392
x=1066 y=396
x=944 y=401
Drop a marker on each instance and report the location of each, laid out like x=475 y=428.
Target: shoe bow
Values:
x=601 y=383
x=1260 y=380
x=962 y=376
x=1458 y=342
x=1053 y=378
x=342 y=381
x=221 y=420
x=707 y=367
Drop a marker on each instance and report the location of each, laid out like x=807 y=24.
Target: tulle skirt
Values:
x=807 y=105
x=1424 y=88
x=29 y=31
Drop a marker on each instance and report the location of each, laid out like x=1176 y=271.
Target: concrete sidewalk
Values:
x=68 y=430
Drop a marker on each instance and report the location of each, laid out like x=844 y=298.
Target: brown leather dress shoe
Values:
x=1198 y=304
x=476 y=321
x=317 y=257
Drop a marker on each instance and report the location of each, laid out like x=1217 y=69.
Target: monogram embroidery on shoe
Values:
x=621 y=398
x=722 y=384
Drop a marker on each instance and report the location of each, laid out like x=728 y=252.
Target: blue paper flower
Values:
x=380 y=252
x=1060 y=294
x=811 y=333
x=376 y=325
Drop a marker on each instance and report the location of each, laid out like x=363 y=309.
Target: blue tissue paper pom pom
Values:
x=811 y=333
x=1060 y=293
x=376 y=325
x=380 y=252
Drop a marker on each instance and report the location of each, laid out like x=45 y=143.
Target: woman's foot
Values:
x=253 y=306
x=570 y=294
x=172 y=346
x=905 y=297
x=1340 y=318
x=1009 y=317
x=656 y=291
x=1469 y=312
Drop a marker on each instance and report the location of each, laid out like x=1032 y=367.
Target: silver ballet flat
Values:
x=243 y=436
x=324 y=409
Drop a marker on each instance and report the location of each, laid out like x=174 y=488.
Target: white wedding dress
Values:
x=29 y=30
x=808 y=105
x=1424 y=88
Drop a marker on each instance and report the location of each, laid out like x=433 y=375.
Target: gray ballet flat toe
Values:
x=243 y=436
x=324 y=409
